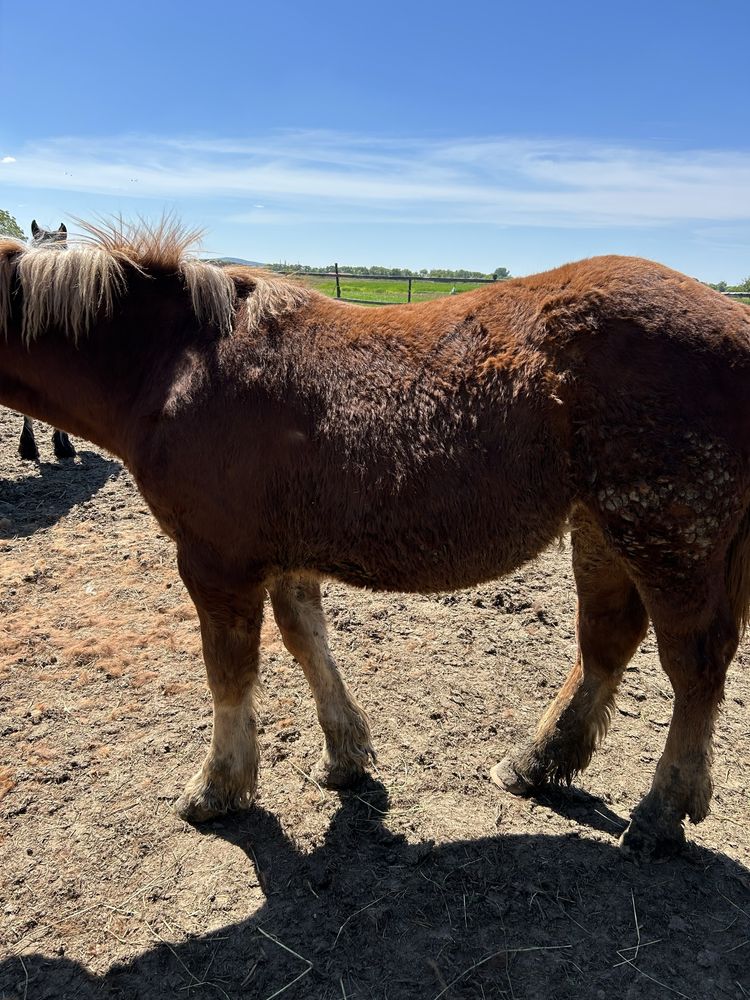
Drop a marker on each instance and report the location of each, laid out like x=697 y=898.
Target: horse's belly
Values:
x=461 y=552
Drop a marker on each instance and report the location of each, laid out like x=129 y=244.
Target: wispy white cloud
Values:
x=314 y=176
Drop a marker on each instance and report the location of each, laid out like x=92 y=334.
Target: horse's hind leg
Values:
x=27 y=448
x=695 y=649
x=611 y=622
x=230 y=632
x=62 y=445
x=299 y=615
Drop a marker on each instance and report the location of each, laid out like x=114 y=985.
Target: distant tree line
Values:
x=722 y=286
x=398 y=272
x=9 y=226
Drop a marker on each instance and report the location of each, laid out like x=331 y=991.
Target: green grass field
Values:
x=387 y=291
x=393 y=292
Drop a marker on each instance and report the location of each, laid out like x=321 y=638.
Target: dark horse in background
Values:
x=280 y=437
x=27 y=447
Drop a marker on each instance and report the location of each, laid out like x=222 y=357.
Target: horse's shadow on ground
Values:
x=368 y=914
x=47 y=491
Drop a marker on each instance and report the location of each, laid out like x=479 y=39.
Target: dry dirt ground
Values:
x=425 y=882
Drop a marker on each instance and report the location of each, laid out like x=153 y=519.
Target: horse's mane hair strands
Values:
x=67 y=287
x=272 y=296
x=70 y=287
x=9 y=251
x=161 y=246
x=212 y=293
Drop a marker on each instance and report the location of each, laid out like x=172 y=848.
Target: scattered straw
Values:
x=296 y=979
x=632 y=947
x=502 y=951
x=636 y=947
x=309 y=777
x=637 y=926
x=671 y=989
x=352 y=916
x=26 y=977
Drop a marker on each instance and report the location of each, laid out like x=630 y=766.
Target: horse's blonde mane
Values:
x=272 y=295
x=71 y=286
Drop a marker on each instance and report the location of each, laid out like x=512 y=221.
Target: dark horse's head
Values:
x=39 y=235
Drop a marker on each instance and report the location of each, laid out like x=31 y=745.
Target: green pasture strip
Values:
x=393 y=292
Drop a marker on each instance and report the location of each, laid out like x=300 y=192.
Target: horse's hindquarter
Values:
x=664 y=373
x=658 y=374
x=353 y=444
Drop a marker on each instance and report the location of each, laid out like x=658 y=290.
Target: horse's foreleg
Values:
x=299 y=615
x=27 y=448
x=62 y=445
x=611 y=622
x=696 y=663
x=230 y=633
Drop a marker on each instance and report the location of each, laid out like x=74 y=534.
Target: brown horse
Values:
x=61 y=443
x=279 y=436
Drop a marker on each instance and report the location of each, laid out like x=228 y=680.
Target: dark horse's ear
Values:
x=34 y=227
x=63 y=229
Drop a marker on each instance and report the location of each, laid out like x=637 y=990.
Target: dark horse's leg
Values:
x=611 y=622
x=27 y=448
x=230 y=623
x=62 y=445
x=299 y=615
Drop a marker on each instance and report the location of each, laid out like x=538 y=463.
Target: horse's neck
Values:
x=78 y=388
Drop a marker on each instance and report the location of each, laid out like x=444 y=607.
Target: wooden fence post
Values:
x=338 y=286
x=409 y=292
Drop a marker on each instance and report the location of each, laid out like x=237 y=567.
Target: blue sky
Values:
x=406 y=134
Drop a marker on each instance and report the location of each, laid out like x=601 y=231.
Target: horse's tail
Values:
x=738 y=574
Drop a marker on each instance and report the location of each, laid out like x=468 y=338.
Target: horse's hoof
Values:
x=337 y=776
x=505 y=776
x=643 y=843
x=200 y=807
x=62 y=445
x=195 y=810
x=29 y=454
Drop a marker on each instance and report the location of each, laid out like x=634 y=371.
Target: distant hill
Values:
x=235 y=260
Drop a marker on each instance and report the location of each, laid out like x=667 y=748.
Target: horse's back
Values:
x=433 y=446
